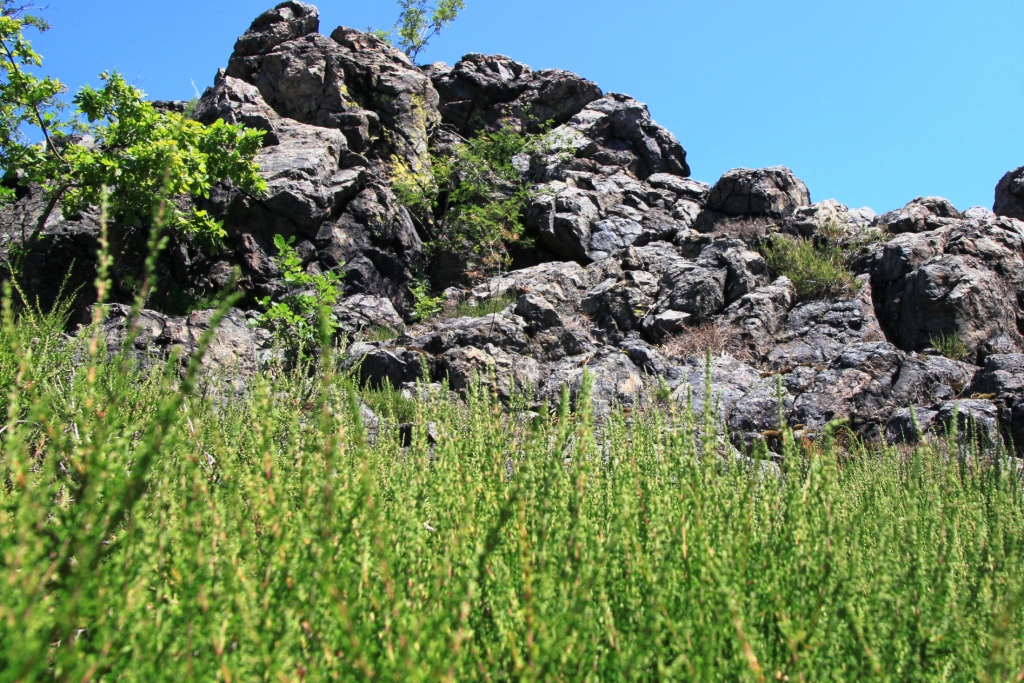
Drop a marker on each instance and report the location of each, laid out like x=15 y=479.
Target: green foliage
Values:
x=950 y=345
x=378 y=334
x=148 y=535
x=418 y=22
x=300 y=319
x=425 y=306
x=481 y=308
x=114 y=139
x=818 y=268
x=473 y=197
x=391 y=404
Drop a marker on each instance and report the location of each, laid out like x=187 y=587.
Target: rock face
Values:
x=1010 y=195
x=638 y=270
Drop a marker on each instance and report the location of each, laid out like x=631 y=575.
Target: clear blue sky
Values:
x=871 y=102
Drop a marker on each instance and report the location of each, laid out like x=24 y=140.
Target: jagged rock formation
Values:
x=638 y=268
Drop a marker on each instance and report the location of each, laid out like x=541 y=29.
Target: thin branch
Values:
x=34 y=107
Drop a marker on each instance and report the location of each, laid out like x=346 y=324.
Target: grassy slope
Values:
x=146 y=535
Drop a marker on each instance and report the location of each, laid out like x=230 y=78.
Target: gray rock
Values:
x=1010 y=195
x=237 y=353
x=731 y=380
x=759 y=411
x=927 y=379
x=857 y=385
x=560 y=283
x=616 y=131
x=816 y=332
x=900 y=429
x=616 y=381
x=287 y=21
x=504 y=373
x=773 y=192
x=352 y=82
x=921 y=215
x=380 y=364
x=808 y=221
x=975 y=419
x=361 y=312
x=762 y=313
x=1003 y=377
x=492 y=91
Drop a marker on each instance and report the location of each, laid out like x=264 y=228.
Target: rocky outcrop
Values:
x=638 y=270
x=488 y=92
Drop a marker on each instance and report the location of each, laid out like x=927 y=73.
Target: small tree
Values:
x=113 y=139
x=419 y=21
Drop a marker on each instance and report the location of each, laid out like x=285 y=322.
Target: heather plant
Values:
x=950 y=345
x=148 y=534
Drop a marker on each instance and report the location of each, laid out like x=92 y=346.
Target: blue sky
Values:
x=870 y=102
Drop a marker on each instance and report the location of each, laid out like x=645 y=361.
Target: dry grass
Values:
x=718 y=337
x=750 y=230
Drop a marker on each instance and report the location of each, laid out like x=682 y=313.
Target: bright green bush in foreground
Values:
x=150 y=535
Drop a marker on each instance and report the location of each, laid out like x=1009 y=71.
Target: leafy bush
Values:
x=114 y=143
x=471 y=199
x=146 y=534
x=425 y=306
x=302 y=317
x=818 y=268
x=951 y=346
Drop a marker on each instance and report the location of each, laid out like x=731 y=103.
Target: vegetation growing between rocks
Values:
x=297 y=317
x=148 y=534
x=472 y=197
x=818 y=268
x=951 y=346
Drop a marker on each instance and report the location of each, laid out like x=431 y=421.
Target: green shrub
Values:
x=471 y=199
x=950 y=345
x=818 y=269
x=302 y=318
x=390 y=403
x=148 y=535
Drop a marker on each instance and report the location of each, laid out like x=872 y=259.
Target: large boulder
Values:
x=353 y=82
x=921 y=215
x=965 y=278
x=1010 y=195
x=1002 y=377
x=490 y=92
x=773 y=192
x=237 y=353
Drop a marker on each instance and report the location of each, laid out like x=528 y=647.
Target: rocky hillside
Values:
x=636 y=269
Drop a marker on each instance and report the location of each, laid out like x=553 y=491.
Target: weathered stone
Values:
x=921 y=215
x=731 y=380
x=237 y=353
x=856 y=385
x=773 y=192
x=363 y=312
x=504 y=373
x=380 y=364
x=762 y=313
x=616 y=381
x=1010 y=195
x=490 y=92
x=817 y=331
